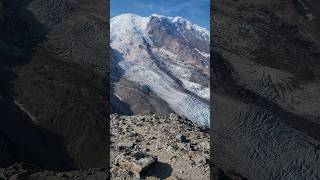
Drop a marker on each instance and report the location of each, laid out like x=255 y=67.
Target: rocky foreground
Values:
x=151 y=147
x=143 y=147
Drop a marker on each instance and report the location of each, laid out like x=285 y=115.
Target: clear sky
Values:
x=197 y=11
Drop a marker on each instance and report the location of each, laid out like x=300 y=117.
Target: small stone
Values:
x=205 y=145
x=200 y=161
x=182 y=138
x=136 y=166
x=173 y=117
x=140 y=118
x=169 y=149
x=181 y=145
x=174 y=158
x=125 y=145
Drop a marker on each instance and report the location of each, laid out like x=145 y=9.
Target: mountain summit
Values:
x=160 y=64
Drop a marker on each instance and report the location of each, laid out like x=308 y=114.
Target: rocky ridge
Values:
x=153 y=147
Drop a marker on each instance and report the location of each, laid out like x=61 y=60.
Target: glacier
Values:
x=162 y=70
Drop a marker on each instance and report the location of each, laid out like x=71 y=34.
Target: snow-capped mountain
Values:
x=167 y=57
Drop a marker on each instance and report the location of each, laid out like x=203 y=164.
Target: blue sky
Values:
x=197 y=11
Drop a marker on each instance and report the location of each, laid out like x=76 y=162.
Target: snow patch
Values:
x=204 y=54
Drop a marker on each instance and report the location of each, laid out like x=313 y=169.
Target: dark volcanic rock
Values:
x=53 y=62
x=26 y=171
x=265 y=88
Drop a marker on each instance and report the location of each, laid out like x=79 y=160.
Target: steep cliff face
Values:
x=265 y=89
x=165 y=63
x=52 y=97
